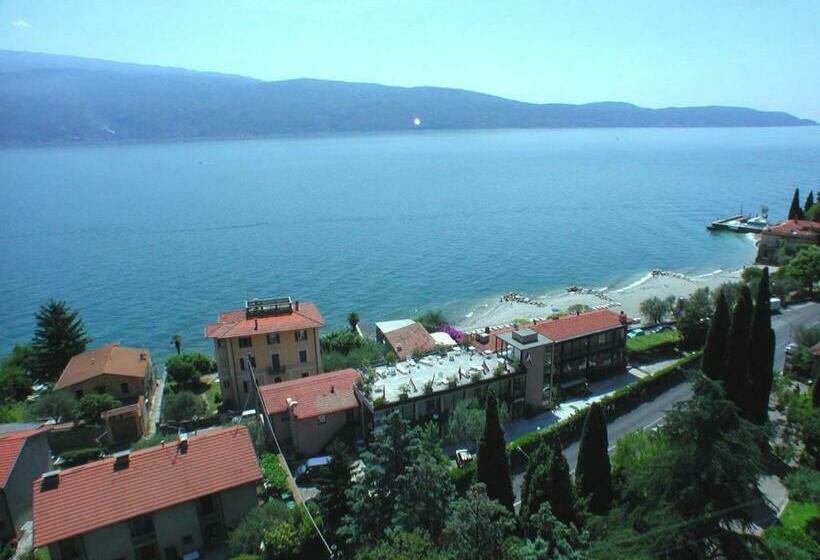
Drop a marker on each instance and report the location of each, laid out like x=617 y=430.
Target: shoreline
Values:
x=509 y=307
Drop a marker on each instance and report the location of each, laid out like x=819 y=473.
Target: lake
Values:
x=148 y=240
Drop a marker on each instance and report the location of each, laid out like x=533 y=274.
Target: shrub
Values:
x=340 y=341
x=454 y=333
x=273 y=473
x=430 y=320
x=184 y=405
x=184 y=370
x=81 y=456
x=804 y=485
x=90 y=407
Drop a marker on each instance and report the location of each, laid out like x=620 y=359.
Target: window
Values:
x=141 y=526
x=277 y=379
x=242 y=364
x=245 y=386
x=253 y=361
x=273 y=338
x=227 y=383
x=207 y=505
x=124 y=388
x=301 y=335
x=245 y=342
x=275 y=363
x=302 y=356
x=305 y=374
x=322 y=419
x=219 y=343
x=602 y=338
x=71 y=549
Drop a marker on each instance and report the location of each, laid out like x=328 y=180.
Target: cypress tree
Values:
x=809 y=203
x=735 y=368
x=592 y=474
x=761 y=352
x=714 y=351
x=493 y=468
x=59 y=335
x=548 y=480
x=795 y=212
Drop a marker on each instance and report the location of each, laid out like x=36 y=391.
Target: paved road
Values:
x=651 y=413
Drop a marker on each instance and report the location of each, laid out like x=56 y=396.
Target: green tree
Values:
x=184 y=405
x=334 y=482
x=20 y=357
x=430 y=320
x=176 y=340
x=593 y=479
x=493 y=465
x=795 y=212
x=90 y=407
x=58 y=405
x=478 y=526
x=58 y=336
x=655 y=309
x=715 y=349
x=248 y=535
x=761 y=353
x=403 y=545
x=736 y=361
x=693 y=323
x=552 y=540
x=185 y=370
x=805 y=266
x=15 y=384
x=353 y=320
x=289 y=539
x=730 y=291
x=808 y=204
x=547 y=480
x=465 y=422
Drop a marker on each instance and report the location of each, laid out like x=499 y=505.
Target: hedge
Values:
x=568 y=430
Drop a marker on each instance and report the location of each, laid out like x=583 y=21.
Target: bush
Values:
x=804 y=485
x=81 y=456
x=184 y=405
x=343 y=341
x=15 y=385
x=184 y=370
x=247 y=536
x=90 y=407
x=273 y=473
x=369 y=352
x=431 y=320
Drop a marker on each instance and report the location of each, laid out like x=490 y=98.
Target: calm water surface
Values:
x=151 y=240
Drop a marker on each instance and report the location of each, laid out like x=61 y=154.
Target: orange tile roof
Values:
x=405 y=340
x=94 y=495
x=795 y=228
x=313 y=394
x=10 y=445
x=563 y=328
x=231 y=324
x=572 y=326
x=111 y=359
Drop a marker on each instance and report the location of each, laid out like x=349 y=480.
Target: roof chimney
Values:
x=182 y=446
x=297 y=305
x=50 y=480
x=332 y=389
x=122 y=460
x=143 y=357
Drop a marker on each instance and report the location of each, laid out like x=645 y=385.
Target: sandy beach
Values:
x=626 y=298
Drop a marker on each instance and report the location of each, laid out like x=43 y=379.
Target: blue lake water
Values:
x=154 y=239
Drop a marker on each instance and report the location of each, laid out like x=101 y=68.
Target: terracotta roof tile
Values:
x=405 y=340
x=10 y=445
x=796 y=228
x=94 y=495
x=313 y=394
x=111 y=359
x=231 y=324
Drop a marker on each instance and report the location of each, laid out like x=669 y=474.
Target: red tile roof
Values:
x=231 y=324
x=796 y=228
x=564 y=328
x=111 y=359
x=10 y=445
x=94 y=495
x=405 y=340
x=325 y=393
x=573 y=326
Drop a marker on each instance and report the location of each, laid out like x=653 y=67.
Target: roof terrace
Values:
x=436 y=373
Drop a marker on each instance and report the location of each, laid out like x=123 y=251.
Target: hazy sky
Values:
x=653 y=53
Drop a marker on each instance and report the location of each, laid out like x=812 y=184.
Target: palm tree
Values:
x=176 y=340
x=353 y=320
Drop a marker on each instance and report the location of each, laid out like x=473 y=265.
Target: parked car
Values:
x=775 y=305
x=307 y=470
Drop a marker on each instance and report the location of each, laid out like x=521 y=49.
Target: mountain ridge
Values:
x=54 y=99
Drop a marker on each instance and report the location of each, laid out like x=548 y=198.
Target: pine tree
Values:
x=334 y=481
x=736 y=361
x=809 y=203
x=593 y=478
x=493 y=468
x=795 y=212
x=761 y=352
x=59 y=335
x=548 y=480
x=715 y=349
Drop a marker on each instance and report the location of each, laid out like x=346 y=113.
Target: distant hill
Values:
x=57 y=99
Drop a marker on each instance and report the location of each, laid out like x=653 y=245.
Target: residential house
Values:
x=405 y=337
x=124 y=373
x=24 y=456
x=279 y=337
x=789 y=233
x=170 y=501
x=307 y=413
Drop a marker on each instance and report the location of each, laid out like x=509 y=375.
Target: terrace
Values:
x=433 y=374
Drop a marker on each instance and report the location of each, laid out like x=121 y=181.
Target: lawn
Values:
x=210 y=395
x=651 y=341
x=797 y=514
